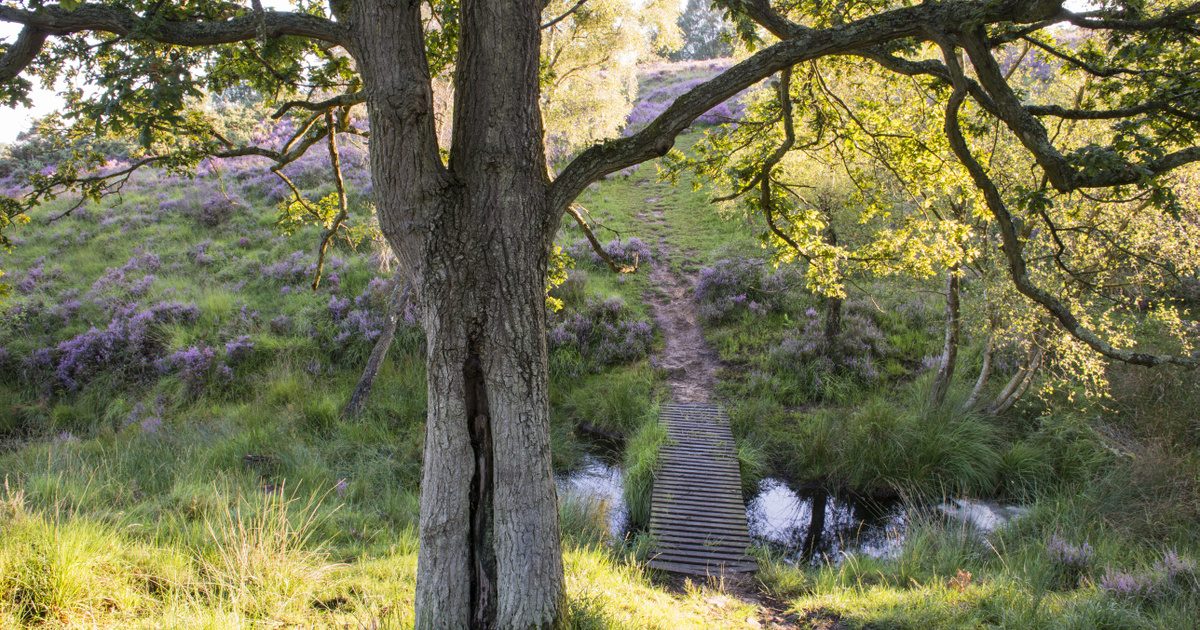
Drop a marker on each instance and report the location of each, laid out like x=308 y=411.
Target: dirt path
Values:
x=690 y=364
x=691 y=367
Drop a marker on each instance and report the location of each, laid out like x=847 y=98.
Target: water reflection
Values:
x=602 y=482
x=780 y=517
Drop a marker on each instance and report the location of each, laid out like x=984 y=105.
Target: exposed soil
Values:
x=691 y=367
x=690 y=364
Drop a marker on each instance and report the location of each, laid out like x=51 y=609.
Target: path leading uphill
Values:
x=690 y=364
x=698 y=517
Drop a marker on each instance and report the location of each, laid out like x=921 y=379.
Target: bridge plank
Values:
x=697 y=515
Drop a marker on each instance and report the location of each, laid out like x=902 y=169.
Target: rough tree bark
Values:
x=945 y=372
x=474 y=237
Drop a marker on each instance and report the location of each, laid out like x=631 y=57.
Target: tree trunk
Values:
x=1017 y=385
x=474 y=235
x=362 y=391
x=985 y=372
x=941 y=381
x=833 y=305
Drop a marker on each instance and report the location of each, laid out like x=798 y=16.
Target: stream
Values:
x=779 y=516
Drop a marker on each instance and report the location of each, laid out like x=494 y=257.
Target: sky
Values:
x=14 y=121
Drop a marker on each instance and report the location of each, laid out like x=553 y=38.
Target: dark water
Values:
x=602 y=481
x=779 y=517
x=783 y=519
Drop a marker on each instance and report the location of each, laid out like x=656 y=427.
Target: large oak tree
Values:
x=472 y=222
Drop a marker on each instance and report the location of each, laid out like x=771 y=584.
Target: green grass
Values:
x=641 y=466
x=254 y=504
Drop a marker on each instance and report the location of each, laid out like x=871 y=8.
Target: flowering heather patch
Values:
x=856 y=351
x=652 y=101
x=734 y=286
x=1067 y=555
x=128 y=344
x=1128 y=585
x=200 y=254
x=624 y=252
x=1173 y=566
x=300 y=267
x=603 y=332
x=193 y=365
x=215 y=211
x=123 y=282
x=238 y=349
x=33 y=276
x=1168 y=574
x=338 y=307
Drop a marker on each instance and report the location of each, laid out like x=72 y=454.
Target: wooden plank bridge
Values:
x=697 y=517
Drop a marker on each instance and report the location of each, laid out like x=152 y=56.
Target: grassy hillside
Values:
x=173 y=455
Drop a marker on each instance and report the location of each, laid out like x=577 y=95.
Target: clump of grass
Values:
x=261 y=561
x=752 y=465
x=616 y=402
x=583 y=520
x=641 y=465
x=884 y=446
x=59 y=570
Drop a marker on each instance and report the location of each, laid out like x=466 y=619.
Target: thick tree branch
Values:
x=106 y=18
x=21 y=52
x=1011 y=243
x=1033 y=135
x=801 y=44
x=341 y=100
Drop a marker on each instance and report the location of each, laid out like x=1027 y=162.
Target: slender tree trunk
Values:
x=1018 y=384
x=941 y=381
x=362 y=391
x=474 y=235
x=985 y=372
x=833 y=305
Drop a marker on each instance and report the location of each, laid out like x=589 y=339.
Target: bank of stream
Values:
x=802 y=526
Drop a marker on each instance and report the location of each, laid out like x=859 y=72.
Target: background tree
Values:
x=706 y=33
x=472 y=222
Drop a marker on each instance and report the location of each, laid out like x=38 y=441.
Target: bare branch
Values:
x=564 y=15
x=575 y=211
x=335 y=164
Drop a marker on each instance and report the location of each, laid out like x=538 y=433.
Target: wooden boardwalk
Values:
x=697 y=517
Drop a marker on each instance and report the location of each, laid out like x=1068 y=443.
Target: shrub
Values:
x=216 y=211
x=1069 y=560
x=735 y=286
x=193 y=365
x=856 y=351
x=631 y=251
x=602 y=333
x=128 y=345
